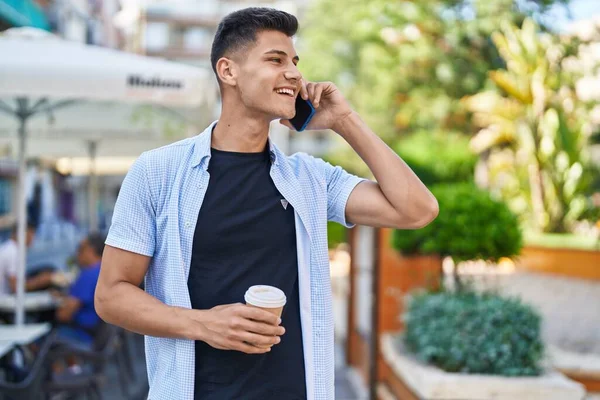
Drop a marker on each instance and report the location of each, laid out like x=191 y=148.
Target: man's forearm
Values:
x=130 y=307
x=41 y=281
x=398 y=183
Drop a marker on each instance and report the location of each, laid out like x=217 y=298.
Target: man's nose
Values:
x=292 y=74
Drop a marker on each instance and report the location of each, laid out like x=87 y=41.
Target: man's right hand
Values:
x=242 y=328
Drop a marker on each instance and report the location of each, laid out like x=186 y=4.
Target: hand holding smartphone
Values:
x=304 y=113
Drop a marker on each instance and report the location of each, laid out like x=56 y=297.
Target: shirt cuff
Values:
x=344 y=195
x=129 y=245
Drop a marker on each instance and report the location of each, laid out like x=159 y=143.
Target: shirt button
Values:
x=188 y=224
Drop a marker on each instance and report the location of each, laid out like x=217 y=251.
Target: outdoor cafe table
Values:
x=34 y=302
x=13 y=335
x=23 y=334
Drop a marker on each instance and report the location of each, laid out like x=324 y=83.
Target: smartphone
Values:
x=304 y=113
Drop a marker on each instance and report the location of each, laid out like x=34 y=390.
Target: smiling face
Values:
x=264 y=78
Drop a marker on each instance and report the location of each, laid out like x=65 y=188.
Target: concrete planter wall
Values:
x=430 y=383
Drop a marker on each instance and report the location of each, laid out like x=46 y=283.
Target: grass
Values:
x=561 y=240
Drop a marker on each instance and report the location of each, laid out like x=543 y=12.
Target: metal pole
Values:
x=93 y=187
x=375 y=332
x=21 y=222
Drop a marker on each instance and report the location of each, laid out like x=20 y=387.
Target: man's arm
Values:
x=398 y=199
x=120 y=301
x=40 y=281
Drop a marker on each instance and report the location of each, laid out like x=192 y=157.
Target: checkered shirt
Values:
x=156 y=214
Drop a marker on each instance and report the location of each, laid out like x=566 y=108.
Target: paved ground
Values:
x=347 y=386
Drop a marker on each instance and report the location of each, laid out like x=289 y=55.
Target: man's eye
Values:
x=277 y=60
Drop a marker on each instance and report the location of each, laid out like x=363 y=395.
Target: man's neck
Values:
x=239 y=132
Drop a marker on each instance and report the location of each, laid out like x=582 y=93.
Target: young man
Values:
x=76 y=313
x=9 y=260
x=207 y=217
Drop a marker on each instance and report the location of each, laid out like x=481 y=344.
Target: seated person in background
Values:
x=9 y=261
x=76 y=314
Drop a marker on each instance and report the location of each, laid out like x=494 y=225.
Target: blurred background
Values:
x=493 y=103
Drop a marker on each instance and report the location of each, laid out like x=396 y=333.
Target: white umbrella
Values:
x=38 y=64
x=41 y=73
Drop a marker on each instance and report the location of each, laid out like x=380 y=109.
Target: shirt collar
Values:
x=202 y=148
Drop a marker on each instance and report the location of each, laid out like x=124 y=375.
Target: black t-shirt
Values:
x=245 y=235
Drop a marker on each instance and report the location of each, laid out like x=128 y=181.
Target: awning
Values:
x=23 y=13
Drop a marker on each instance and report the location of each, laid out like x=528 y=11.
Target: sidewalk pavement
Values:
x=347 y=385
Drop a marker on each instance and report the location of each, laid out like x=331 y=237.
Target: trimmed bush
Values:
x=438 y=157
x=470 y=226
x=474 y=333
x=336 y=234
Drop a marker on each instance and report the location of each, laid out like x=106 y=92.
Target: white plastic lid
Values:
x=265 y=296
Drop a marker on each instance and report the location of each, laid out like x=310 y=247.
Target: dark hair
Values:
x=239 y=29
x=96 y=242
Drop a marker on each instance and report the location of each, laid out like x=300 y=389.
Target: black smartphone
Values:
x=304 y=113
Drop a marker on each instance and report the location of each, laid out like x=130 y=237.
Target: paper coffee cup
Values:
x=268 y=298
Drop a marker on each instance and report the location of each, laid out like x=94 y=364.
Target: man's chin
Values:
x=288 y=115
x=280 y=114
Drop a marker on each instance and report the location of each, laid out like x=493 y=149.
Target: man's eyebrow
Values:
x=283 y=53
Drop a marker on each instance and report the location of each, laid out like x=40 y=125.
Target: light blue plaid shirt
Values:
x=156 y=214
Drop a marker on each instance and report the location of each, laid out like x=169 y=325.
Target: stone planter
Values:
x=583 y=368
x=431 y=383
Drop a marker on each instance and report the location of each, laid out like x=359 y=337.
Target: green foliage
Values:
x=405 y=65
x=336 y=234
x=535 y=130
x=470 y=225
x=562 y=240
x=438 y=157
x=474 y=333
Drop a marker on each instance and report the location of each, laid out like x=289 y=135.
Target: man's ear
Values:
x=227 y=71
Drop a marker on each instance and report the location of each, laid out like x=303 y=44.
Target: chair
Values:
x=124 y=356
x=94 y=363
x=31 y=387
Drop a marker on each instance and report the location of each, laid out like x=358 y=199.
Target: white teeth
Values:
x=285 y=91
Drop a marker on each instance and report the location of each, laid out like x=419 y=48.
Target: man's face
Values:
x=269 y=66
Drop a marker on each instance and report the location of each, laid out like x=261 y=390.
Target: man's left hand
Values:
x=330 y=105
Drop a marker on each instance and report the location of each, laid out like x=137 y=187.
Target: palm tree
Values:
x=534 y=129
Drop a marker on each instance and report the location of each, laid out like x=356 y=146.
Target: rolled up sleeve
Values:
x=340 y=185
x=133 y=226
